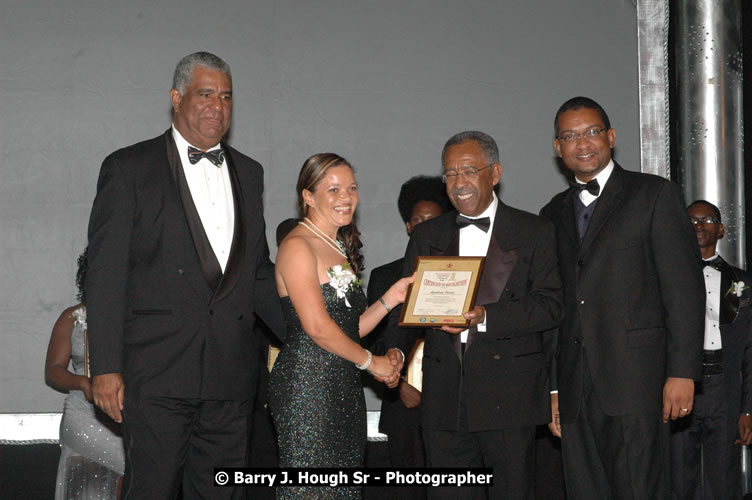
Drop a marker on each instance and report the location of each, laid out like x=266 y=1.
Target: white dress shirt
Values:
x=211 y=191
x=712 y=308
x=474 y=243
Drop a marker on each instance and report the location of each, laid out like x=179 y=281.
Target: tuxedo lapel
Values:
x=729 y=301
x=237 y=250
x=501 y=257
x=210 y=268
x=609 y=199
x=566 y=219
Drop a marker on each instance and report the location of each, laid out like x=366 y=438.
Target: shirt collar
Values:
x=489 y=212
x=182 y=144
x=602 y=176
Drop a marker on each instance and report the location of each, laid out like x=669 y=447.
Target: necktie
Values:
x=591 y=187
x=484 y=223
x=216 y=156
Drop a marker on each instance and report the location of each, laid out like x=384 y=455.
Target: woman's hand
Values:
x=398 y=291
x=382 y=368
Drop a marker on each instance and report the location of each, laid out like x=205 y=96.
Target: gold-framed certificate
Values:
x=444 y=289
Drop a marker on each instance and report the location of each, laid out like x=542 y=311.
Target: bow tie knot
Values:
x=716 y=263
x=483 y=223
x=591 y=187
x=216 y=156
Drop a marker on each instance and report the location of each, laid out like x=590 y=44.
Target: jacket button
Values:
x=577 y=341
x=580 y=300
x=496 y=356
x=580 y=262
x=180 y=271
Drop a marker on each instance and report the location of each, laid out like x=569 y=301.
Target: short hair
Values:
x=581 y=102
x=81 y=275
x=421 y=188
x=713 y=208
x=184 y=70
x=485 y=141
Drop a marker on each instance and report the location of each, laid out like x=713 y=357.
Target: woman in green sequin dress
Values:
x=315 y=393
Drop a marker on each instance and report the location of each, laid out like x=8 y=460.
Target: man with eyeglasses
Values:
x=705 y=452
x=630 y=345
x=485 y=388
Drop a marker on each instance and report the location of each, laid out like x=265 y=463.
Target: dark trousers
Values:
x=509 y=452
x=615 y=457
x=705 y=462
x=172 y=442
x=405 y=447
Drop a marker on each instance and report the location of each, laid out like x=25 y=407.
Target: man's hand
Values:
x=409 y=395
x=745 y=429
x=475 y=315
x=108 y=391
x=678 y=396
x=555 y=425
x=395 y=357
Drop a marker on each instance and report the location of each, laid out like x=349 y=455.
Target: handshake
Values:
x=387 y=368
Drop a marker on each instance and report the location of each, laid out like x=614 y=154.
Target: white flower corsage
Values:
x=342 y=279
x=79 y=317
x=737 y=288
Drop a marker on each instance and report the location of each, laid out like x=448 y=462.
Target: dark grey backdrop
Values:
x=383 y=83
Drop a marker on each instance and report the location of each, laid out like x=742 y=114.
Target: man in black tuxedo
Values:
x=421 y=198
x=705 y=456
x=178 y=265
x=631 y=341
x=486 y=388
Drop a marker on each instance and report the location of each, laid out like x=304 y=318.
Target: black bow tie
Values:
x=591 y=187
x=216 y=156
x=716 y=263
x=484 y=223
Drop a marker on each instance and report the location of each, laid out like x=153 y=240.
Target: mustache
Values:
x=457 y=191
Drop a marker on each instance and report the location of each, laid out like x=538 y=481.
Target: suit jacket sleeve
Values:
x=539 y=308
x=403 y=338
x=677 y=262
x=110 y=230
x=265 y=297
x=746 y=402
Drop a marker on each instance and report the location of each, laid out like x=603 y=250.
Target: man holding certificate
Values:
x=485 y=383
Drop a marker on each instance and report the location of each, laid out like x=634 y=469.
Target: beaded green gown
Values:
x=316 y=398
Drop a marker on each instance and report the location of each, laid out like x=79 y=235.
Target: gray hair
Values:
x=184 y=70
x=485 y=141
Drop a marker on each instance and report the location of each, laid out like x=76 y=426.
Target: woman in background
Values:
x=92 y=459
x=315 y=393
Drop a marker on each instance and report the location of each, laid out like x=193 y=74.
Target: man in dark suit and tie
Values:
x=178 y=266
x=630 y=345
x=485 y=388
x=706 y=457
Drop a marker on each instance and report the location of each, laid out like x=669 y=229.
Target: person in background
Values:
x=92 y=459
x=705 y=452
x=421 y=198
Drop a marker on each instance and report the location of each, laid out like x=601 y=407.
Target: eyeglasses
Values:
x=590 y=133
x=467 y=173
x=703 y=220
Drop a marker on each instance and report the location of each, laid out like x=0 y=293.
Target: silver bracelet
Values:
x=365 y=365
x=388 y=309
